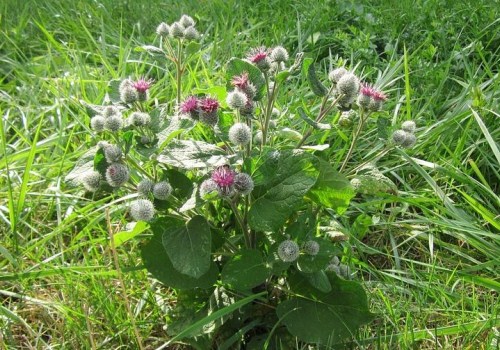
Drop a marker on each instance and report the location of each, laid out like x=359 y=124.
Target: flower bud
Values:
x=208 y=111
x=176 y=30
x=117 y=174
x=109 y=111
x=311 y=247
x=190 y=33
x=207 y=186
x=142 y=210
x=236 y=99
x=140 y=119
x=97 y=123
x=335 y=75
x=145 y=187
x=240 y=134
x=243 y=183
x=186 y=21
x=348 y=86
x=190 y=107
x=91 y=181
x=288 y=251
x=163 y=29
x=279 y=54
x=112 y=153
x=408 y=126
x=399 y=137
x=113 y=123
x=129 y=95
x=409 y=141
x=162 y=190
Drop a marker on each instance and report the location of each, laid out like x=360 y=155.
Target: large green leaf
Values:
x=325 y=317
x=332 y=189
x=190 y=154
x=316 y=86
x=188 y=246
x=237 y=66
x=158 y=263
x=245 y=270
x=281 y=183
x=176 y=126
x=314 y=263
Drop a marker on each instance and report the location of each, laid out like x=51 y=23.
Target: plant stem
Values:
x=246 y=235
x=122 y=283
x=178 y=65
x=362 y=120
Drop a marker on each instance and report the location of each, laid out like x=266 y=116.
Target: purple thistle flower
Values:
x=240 y=81
x=223 y=177
x=258 y=54
x=190 y=105
x=209 y=105
x=142 y=85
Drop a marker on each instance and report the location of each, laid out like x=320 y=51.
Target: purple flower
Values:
x=142 y=85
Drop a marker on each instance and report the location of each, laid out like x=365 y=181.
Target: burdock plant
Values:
x=235 y=199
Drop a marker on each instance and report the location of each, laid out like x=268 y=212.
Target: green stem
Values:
x=246 y=235
x=178 y=65
x=271 y=96
x=362 y=120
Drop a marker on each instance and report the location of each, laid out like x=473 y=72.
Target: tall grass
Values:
x=430 y=264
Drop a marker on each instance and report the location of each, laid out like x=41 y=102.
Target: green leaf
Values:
x=375 y=183
x=237 y=66
x=303 y=115
x=177 y=125
x=158 y=263
x=282 y=76
x=84 y=164
x=383 y=125
x=124 y=236
x=311 y=264
x=190 y=154
x=100 y=163
x=280 y=185
x=361 y=225
x=325 y=317
x=245 y=270
x=319 y=280
x=188 y=246
x=316 y=86
x=193 y=47
x=332 y=189
x=183 y=186
x=128 y=138
x=113 y=94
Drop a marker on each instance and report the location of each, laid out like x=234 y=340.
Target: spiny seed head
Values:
x=145 y=139
x=333 y=268
x=140 y=119
x=257 y=138
x=311 y=247
x=163 y=29
x=210 y=119
x=243 y=183
x=208 y=186
x=240 y=134
x=335 y=75
x=288 y=251
x=272 y=124
x=348 y=84
x=129 y=95
x=408 y=126
x=97 y=123
x=236 y=99
x=279 y=54
x=275 y=113
x=260 y=57
x=113 y=123
x=176 y=30
x=142 y=210
x=248 y=110
x=409 y=141
x=117 y=174
x=145 y=187
x=91 y=181
x=187 y=21
x=335 y=261
x=399 y=137
x=125 y=83
x=162 y=190
x=190 y=33
x=109 y=111
x=112 y=153
x=345 y=271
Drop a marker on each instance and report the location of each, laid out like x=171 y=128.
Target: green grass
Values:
x=430 y=265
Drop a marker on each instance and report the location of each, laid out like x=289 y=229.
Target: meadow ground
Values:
x=429 y=265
